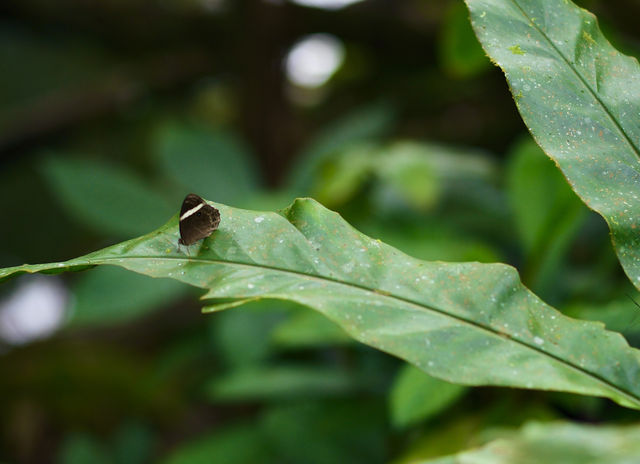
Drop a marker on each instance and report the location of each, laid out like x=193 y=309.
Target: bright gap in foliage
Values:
x=313 y=60
x=35 y=310
x=326 y=4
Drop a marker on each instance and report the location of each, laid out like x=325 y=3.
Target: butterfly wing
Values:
x=197 y=219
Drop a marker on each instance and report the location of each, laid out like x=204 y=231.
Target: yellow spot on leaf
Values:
x=586 y=36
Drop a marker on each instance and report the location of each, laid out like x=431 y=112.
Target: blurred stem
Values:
x=266 y=113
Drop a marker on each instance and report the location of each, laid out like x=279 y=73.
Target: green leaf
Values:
x=110 y=295
x=442 y=438
x=215 y=164
x=367 y=123
x=244 y=336
x=532 y=181
x=556 y=442
x=350 y=431
x=421 y=175
x=263 y=383
x=133 y=443
x=407 y=172
x=242 y=444
x=459 y=52
x=433 y=241
x=467 y=323
x=416 y=396
x=481 y=422
x=341 y=178
x=620 y=314
x=410 y=172
x=305 y=329
x=80 y=448
x=580 y=98
x=547 y=212
x=105 y=198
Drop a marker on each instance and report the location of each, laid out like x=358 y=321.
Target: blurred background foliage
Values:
x=388 y=112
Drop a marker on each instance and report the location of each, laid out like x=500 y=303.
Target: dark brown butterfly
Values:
x=197 y=219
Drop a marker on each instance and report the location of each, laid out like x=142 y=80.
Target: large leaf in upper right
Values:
x=580 y=98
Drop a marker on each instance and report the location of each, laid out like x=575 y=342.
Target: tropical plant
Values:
x=462 y=323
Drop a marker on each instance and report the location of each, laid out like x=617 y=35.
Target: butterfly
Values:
x=198 y=219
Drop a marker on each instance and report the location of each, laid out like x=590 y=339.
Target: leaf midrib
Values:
x=384 y=294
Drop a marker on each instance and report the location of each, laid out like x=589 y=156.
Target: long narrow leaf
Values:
x=580 y=98
x=466 y=323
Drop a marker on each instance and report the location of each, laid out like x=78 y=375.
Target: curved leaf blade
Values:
x=555 y=442
x=580 y=98
x=417 y=397
x=192 y=157
x=106 y=198
x=110 y=295
x=283 y=382
x=467 y=323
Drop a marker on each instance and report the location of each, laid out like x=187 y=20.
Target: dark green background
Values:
x=111 y=111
